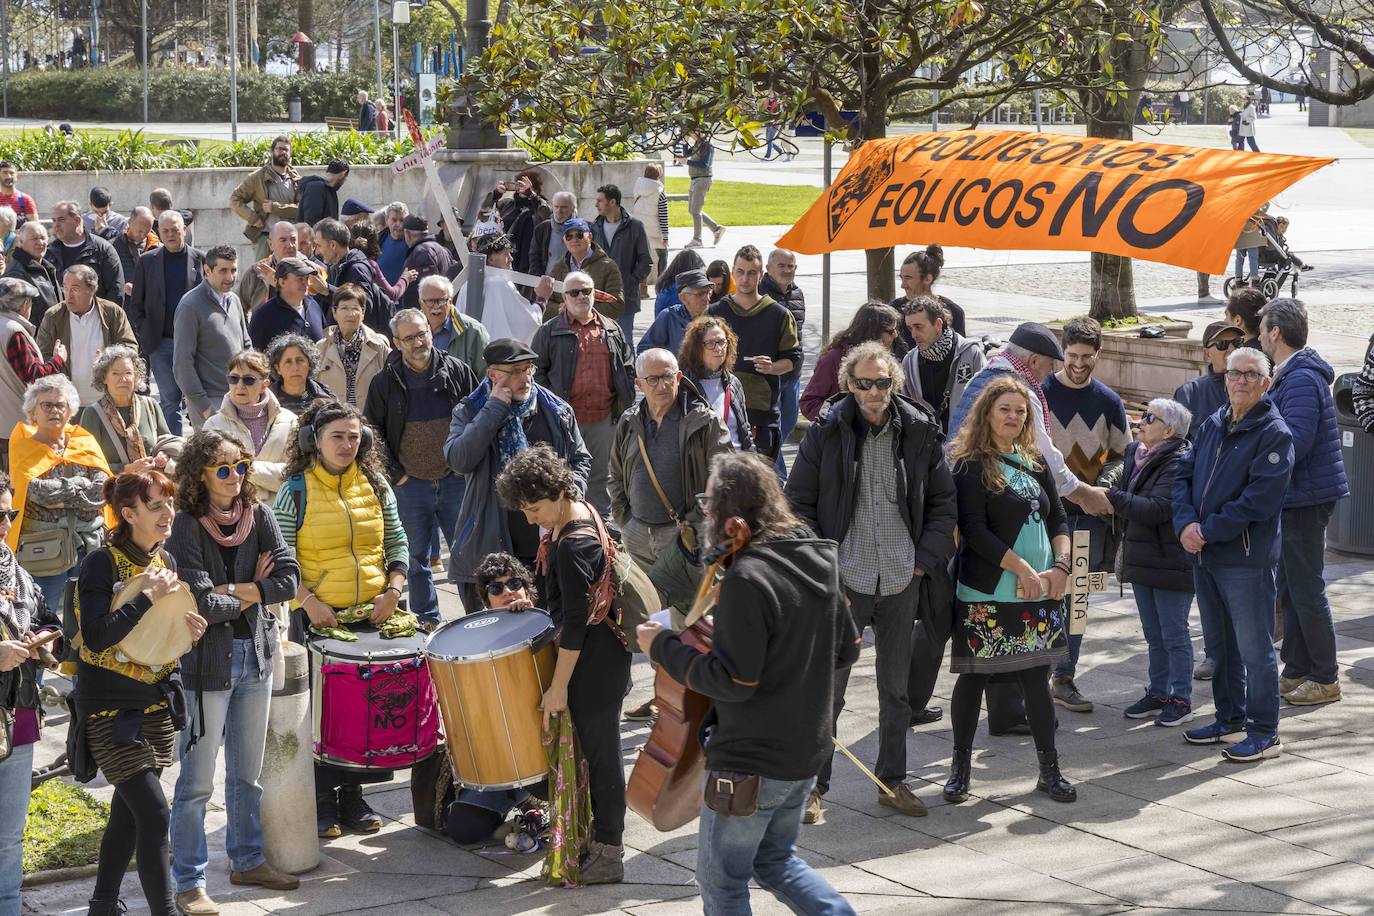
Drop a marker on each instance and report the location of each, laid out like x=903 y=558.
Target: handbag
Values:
x=677 y=570
x=80 y=760
x=732 y=794
x=48 y=551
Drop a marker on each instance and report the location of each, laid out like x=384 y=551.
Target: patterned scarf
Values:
x=350 y=352
x=1026 y=376
x=17 y=596
x=939 y=350
x=132 y=437
x=511 y=439
x=215 y=520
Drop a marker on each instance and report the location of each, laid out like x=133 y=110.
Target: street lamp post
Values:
x=143 y=37
x=377 y=49
x=400 y=15
x=5 y=41
x=233 y=69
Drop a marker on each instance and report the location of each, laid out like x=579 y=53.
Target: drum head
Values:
x=161 y=636
x=370 y=645
x=488 y=634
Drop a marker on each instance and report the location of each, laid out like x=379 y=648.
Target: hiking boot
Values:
x=1051 y=781
x=956 y=788
x=811 y=814
x=196 y=902
x=327 y=814
x=926 y=716
x=1252 y=748
x=1310 y=693
x=1175 y=712
x=1214 y=733
x=265 y=876
x=1288 y=684
x=903 y=801
x=1146 y=706
x=1066 y=694
x=645 y=712
x=355 y=812
x=603 y=864
x=1204 y=670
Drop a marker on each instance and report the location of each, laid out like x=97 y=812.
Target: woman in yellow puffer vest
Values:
x=336 y=510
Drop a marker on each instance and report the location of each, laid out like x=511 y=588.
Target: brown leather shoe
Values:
x=196 y=903
x=903 y=800
x=812 y=814
x=266 y=876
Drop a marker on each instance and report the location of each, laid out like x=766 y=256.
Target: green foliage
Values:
x=53 y=151
x=64 y=827
x=743 y=203
x=179 y=94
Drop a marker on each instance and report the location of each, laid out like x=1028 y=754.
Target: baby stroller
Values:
x=1278 y=264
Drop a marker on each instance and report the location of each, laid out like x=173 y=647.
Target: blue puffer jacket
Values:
x=1232 y=483
x=1302 y=393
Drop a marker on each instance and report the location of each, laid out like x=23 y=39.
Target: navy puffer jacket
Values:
x=1302 y=394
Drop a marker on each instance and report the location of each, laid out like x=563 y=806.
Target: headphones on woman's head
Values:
x=305 y=436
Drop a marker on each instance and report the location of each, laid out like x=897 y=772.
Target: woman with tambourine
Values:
x=130 y=713
x=230 y=553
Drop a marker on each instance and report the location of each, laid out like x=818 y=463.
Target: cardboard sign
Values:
x=1178 y=205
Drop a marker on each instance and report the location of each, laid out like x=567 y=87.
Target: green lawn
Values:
x=64 y=827
x=743 y=203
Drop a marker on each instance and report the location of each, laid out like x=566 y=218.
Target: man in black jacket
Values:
x=869 y=444
x=28 y=261
x=161 y=278
x=74 y=245
x=334 y=245
x=367 y=113
x=779 y=272
x=410 y=402
x=320 y=193
x=623 y=237
x=769 y=673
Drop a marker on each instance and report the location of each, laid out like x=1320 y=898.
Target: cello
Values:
x=665 y=784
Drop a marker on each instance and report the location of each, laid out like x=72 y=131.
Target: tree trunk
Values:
x=1112 y=278
x=882 y=281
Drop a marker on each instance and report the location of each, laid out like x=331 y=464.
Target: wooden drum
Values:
x=161 y=635
x=490 y=671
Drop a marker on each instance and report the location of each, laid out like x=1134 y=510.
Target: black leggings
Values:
x=595 y=694
x=139 y=813
x=1035 y=686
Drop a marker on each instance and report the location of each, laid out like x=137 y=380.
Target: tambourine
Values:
x=161 y=636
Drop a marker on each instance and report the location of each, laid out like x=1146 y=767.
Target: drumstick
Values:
x=44 y=639
x=866 y=771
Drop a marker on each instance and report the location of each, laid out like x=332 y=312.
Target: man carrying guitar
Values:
x=781 y=630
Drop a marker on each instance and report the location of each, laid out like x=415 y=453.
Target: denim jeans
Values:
x=1309 y=637
x=54 y=588
x=762 y=846
x=16 y=771
x=891 y=618
x=1164 y=618
x=237 y=719
x=168 y=391
x=1236 y=605
x=423 y=505
x=1244 y=254
x=789 y=391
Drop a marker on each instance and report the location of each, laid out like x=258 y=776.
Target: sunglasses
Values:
x=9 y=515
x=575 y=235
x=222 y=470
x=1224 y=345
x=249 y=380
x=864 y=384
x=1148 y=418
x=513 y=584
x=569 y=293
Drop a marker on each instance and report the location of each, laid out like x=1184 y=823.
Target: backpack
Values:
x=632 y=597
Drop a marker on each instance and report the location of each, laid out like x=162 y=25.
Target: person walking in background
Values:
x=1301 y=393
x=699 y=156
x=1245 y=130
x=651 y=209
x=367 y=113
x=1248 y=246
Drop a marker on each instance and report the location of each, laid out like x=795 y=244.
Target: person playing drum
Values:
x=337 y=511
x=593 y=669
x=130 y=713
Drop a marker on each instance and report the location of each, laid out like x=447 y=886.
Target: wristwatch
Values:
x=233 y=589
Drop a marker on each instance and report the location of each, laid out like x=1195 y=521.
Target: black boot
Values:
x=327 y=813
x=956 y=789
x=1052 y=782
x=106 y=907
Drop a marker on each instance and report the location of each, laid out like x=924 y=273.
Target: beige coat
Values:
x=248 y=200
x=331 y=371
x=271 y=458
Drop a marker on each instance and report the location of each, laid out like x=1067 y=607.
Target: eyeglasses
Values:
x=9 y=515
x=1248 y=376
x=659 y=381
x=1224 y=345
x=441 y=300
x=1148 y=418
x=411 y=340
x=717 y=345
x=585 y=291
x=513 y=584
x=576 y=235
x=864 y=384
x=222 y=470
x=249 y=380
x=52 y=406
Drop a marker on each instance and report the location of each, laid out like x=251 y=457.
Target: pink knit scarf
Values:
x=215 y=519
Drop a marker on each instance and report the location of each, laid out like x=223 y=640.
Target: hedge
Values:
x=180 y=94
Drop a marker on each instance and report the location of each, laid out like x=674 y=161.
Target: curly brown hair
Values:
x=534 y=474
x=503 y=566
x=319 y=415
x=200 y=452
x=691 y=355
x=975 y=443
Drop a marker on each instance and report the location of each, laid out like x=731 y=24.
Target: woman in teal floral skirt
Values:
x=1013 y=567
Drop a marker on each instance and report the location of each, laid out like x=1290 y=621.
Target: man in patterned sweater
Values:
x=1088 y=424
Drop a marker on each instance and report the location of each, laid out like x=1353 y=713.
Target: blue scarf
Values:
x=511 y=439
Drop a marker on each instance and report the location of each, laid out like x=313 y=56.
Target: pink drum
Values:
x=373 y=702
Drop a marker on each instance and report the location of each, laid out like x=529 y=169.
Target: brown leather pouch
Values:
x=732 y=794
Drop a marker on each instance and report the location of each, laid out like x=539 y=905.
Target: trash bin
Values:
x=293 y=110
x=1351 y=529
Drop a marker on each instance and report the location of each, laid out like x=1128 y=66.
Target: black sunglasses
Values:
x=9 y=515
x=577 y=292
x=864 y=384
x=249 y=380
x=1224 y=345
x=575 y=235
x=513 y=584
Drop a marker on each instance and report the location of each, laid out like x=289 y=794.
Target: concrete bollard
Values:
x=288 y=773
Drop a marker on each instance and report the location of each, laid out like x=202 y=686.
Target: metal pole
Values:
x=396 y=71
x=233 y=70
x=143 y=37
x=1038 y=124
x=935 y=115
x=825 y=258
x=377 y=49
x=5 y=41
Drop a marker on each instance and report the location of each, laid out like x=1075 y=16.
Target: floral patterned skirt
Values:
x=992 y=637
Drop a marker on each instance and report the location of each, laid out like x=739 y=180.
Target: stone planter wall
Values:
x=1139 y=369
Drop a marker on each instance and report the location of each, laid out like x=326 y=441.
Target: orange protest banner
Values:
x=1179 y=205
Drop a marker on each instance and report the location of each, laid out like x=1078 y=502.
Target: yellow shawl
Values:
x=30 y=459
